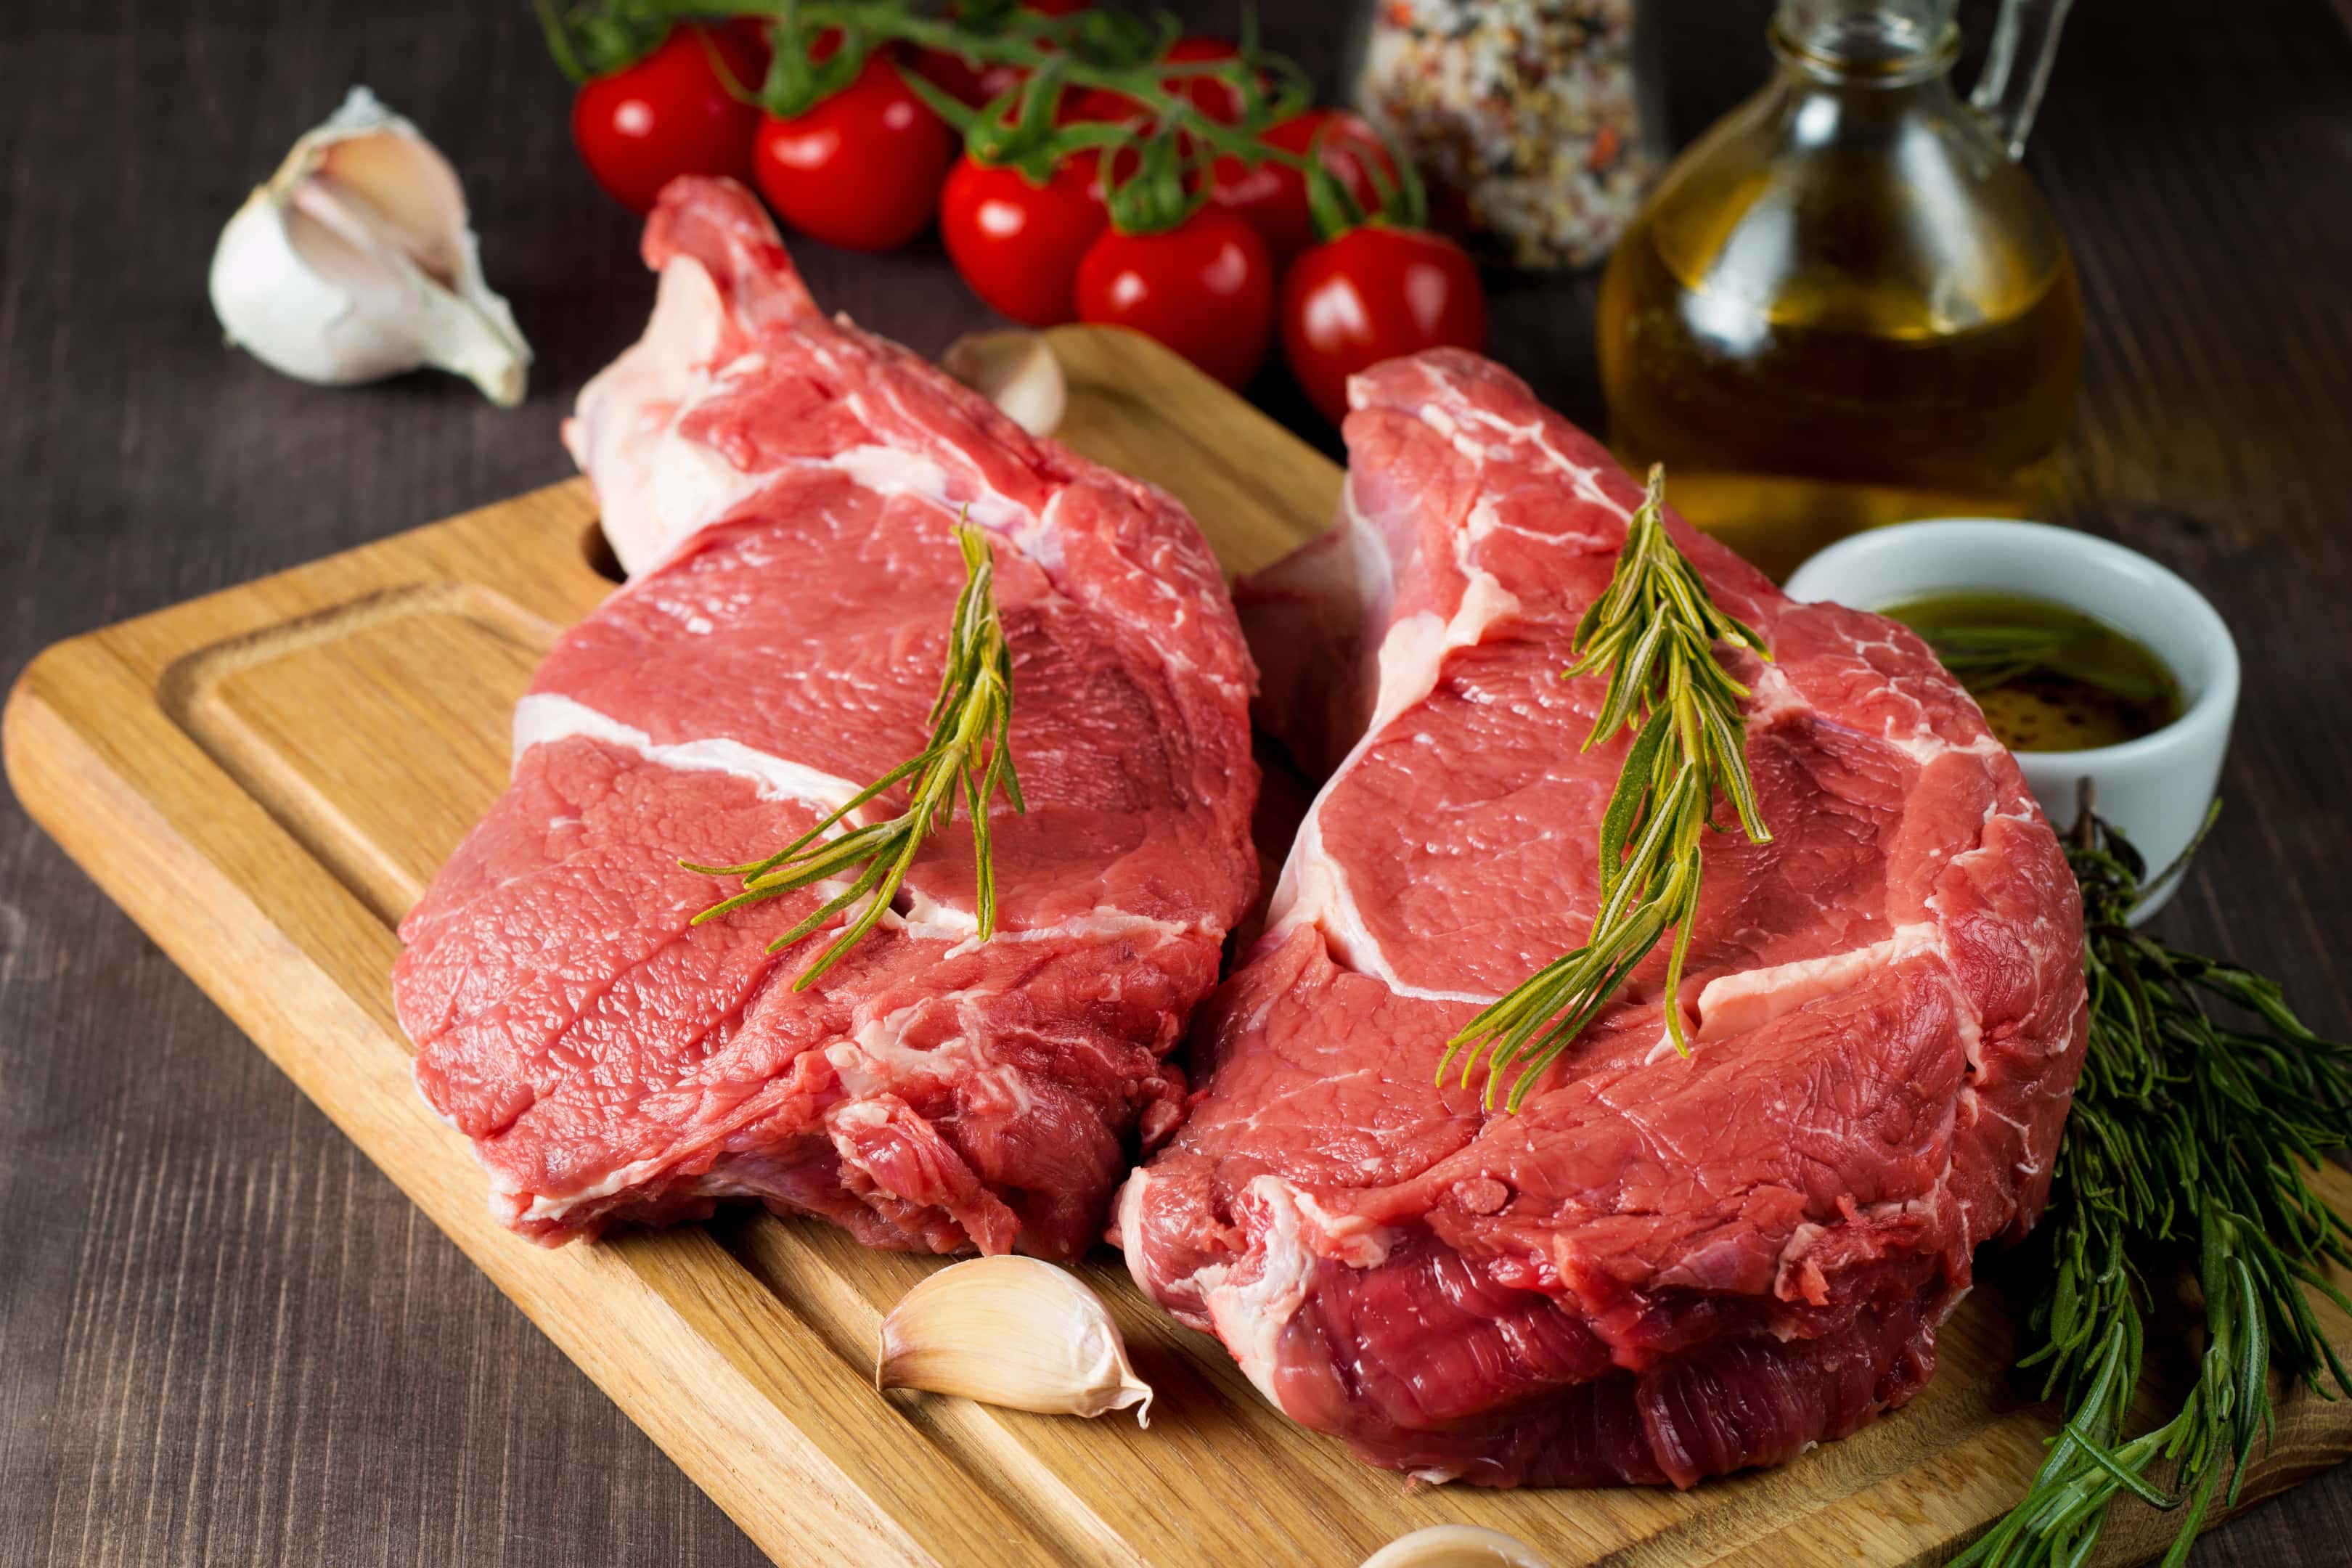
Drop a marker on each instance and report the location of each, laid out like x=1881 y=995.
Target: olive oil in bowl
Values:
x=2049 y=678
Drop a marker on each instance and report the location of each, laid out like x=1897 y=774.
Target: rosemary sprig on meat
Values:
x=970 y=751
x=2191 y=1137
x=1655 y=631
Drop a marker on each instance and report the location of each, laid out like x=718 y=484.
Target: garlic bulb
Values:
x=356 y=262
x=1456 y=1546
x=1014 y=1332
x=1015 y=371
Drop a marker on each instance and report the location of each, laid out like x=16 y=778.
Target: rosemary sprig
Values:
x=971 y=751
x=1987 y=658
x=1654 y=630
x=2189 y=1135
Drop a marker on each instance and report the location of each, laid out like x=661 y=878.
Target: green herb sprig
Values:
x=2194 y=1136
x=971 y=752
x=1655 y=631
x=1985 y=658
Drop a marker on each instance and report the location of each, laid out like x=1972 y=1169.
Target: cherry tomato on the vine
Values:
x=1371 y=294
x=1273 y=195
x=669 y=114
x=1018 y=244
x=861 y=169
x=978 y=82
x=751 y=33
x=1204 y=288
x=1214 y=99
x=1088 y=161
x=962 y=80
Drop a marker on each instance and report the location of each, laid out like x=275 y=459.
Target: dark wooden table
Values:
x=223 y=1338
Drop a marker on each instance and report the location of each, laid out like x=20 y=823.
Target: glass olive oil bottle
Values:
x=1846 y=305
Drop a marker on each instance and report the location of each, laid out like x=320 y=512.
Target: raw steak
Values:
x=1662 y=1269
x=797 y=481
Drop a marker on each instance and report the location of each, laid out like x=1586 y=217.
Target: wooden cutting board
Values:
x=266 y=778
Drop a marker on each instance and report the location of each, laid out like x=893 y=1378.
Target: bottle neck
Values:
x=1886 y=42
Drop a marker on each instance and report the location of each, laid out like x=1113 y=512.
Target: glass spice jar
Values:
x=1538 y=125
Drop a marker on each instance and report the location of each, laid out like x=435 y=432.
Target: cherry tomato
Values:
x=960 y=78
x=667 y=115
x=1273 y=196
x=1018 y=244
x=976 y=82
x=1088 y=161
x=751 y=32
x=1371 y=294
x=1204 y=288
x=861 y=169
x=1214 y=99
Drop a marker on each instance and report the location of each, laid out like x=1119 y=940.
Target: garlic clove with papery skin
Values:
x=356 y=261
x=1015 y=371
x=1456 y=1546
x=1015 y=1332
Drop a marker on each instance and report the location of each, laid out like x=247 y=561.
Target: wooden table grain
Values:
x=224 y=1339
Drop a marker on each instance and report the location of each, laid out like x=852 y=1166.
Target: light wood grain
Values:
x=1258 y=491
x=266 y=778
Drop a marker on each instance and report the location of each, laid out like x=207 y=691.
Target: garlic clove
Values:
x=1015 y=371
x=1456 y=1546
x=356 y=261
x=1009 y=1331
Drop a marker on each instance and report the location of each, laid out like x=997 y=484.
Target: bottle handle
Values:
x=2024 y=46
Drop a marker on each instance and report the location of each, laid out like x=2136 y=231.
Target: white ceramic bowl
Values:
x=2156 y=788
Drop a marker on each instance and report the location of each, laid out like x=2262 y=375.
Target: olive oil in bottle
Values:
x=1846 y=305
